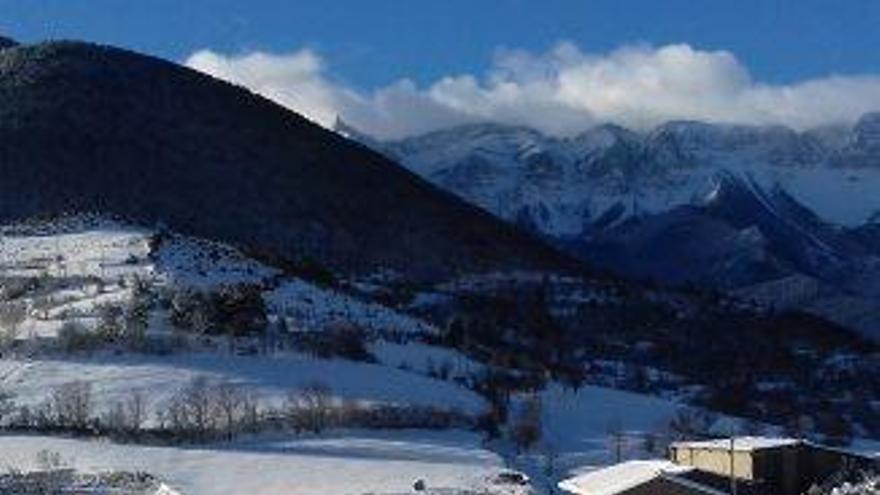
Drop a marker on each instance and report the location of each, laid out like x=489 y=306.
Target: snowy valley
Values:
x=111 y=343
x=203 y=292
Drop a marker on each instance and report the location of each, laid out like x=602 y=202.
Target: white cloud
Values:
x=294 y=81
x=562 y=91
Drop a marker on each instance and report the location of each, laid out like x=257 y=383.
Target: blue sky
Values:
x=372 y=42
x=358 y=51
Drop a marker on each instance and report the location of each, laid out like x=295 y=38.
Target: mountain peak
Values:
x=862 y=147
x=607 y=134
x=867 y=131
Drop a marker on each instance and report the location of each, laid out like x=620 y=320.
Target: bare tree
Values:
x=72 y=404
x=527 y=426
x=136 y=409
x=197 y=405
x=317 y=401
x=127 y=415
x=7 y=404
x=193 y=411
x=294 y=411
x=251 y=407
x=203 y=410
x=12 y=315
x=230 y=405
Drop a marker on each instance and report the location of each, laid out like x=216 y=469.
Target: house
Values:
x=759 y=466
x=773 y=466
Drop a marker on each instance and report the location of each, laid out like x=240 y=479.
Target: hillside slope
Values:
x=93 y=128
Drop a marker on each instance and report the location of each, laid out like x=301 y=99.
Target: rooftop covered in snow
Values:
x=620 y=477
x=740 y=444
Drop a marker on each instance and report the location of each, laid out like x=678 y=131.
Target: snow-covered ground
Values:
x=88 y=263
x=426 y=359
x=583 y=429
x=346 y=463
x=192 y=262
x=114 y=377
x=312 y=308
x=577 y=426
x=84 y=267
x=102 y=249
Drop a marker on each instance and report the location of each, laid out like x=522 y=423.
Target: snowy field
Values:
x=84 y=267
x=105 y=255
x=114 y=377
x=426 y=359
x=349 y=463
x=103 y=249
x=578 y=425
x=576 y=429
x=92 y=260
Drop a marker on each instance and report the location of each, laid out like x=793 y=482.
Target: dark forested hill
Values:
x=94 y=128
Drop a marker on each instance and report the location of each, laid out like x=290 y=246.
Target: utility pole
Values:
x=59 y=257
x=615 y=432
x=618 y=446
x=101 y=260
x=732 y=465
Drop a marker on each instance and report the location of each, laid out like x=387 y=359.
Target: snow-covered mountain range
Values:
x=729 y=206
x=570 y=186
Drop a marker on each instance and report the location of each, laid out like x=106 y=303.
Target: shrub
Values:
x=240 y=310
x=109 y=327
x=136 y=319
x=691 y=423
x=12 y=315
x=73 y=336
x=340 y=340
x=191 y=310
x=233 y=310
